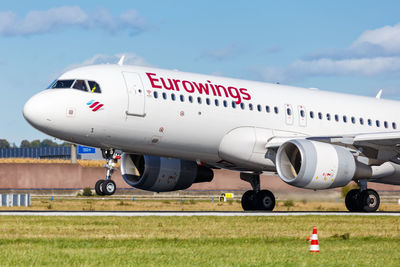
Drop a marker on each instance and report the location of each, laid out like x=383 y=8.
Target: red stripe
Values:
x=97 y=108
x=93 y=105
x=314 y=242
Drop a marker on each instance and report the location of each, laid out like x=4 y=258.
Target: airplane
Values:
x=171 y=129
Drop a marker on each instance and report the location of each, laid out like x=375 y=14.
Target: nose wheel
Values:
x=256 y=199
x=107 y=186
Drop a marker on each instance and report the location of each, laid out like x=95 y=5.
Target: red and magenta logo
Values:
x=94 y=105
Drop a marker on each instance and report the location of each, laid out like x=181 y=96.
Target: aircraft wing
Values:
x=378 y=146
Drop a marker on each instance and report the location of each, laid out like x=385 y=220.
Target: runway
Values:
x=188 y=213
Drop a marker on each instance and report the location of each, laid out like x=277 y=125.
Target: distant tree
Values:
x=35 y=143
x=65 y=144
x=48 y=143
x=4 y=143
x=25 y=144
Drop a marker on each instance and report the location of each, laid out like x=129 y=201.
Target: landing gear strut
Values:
x=107 y=186
x=363 y=199
x=256 y=199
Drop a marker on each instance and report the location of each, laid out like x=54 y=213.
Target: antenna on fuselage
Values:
x=379 y=94
x=121 y=60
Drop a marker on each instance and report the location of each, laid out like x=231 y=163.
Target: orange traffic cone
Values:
x=314 y=247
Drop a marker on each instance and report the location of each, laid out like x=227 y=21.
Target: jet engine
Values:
x=159 y=174
x=316 y=165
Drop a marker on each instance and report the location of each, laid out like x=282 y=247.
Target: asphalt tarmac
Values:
x=190 y=213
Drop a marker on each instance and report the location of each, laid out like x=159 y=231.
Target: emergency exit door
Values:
x=136 y=96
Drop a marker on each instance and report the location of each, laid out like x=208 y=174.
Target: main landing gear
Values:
x=363 y=199
x=256 y=199
x=107 y=186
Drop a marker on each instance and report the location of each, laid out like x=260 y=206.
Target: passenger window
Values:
x=276 y=110
x=225 y=103
x=289 y=111
x=336 y=117
x=378 y=124
x=394 y=125
x=320 y=115
x=164 y=95
x=216 y=102
x=312 y=114
x=385 y=123
x=155 y=94
x=242 y=105
x=267 y=109
x=328 y=116
x=369 y=122
x=353 y=120
x=302 y=113
x=208 y=101
x=62 y=84
x=80 y=85
x=199 y=100
x=182 y=98
x=259 y=108
x=361 y=121
x=233 y=104
x=190 y=99
x=344 y=119
x=173 y=97
x=251 y=106
x=94 y=87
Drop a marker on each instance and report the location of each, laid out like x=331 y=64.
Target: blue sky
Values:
x=344 y=46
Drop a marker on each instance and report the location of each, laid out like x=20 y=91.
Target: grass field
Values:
x=98 y=204
x=198 y=241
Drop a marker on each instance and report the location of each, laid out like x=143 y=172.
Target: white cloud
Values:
x=374 y=52
x=130 y=59
x=44 y=21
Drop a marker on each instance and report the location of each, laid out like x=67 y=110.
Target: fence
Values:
x=40 y=152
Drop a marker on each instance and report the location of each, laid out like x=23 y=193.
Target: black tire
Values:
x=249 y=200
x=98 y=187
x=352 y=200
x=265 y=200
x=369 y=200
x=108 y=187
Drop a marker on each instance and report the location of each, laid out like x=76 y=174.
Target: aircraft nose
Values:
x=34 y=112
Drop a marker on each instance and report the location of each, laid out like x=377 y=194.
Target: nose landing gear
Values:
x=107 y=186
x=256 y=199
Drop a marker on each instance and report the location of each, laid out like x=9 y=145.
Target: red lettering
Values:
x=213 y=89
x=219 y=92
x=191 y=86
x=201 y=87
x=176 y=84
x=152 y=80
x=235 y=95
x=244 y=92
x=171 y=85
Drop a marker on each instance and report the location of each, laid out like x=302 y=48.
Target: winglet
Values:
x=379 y=94
x=121 y=60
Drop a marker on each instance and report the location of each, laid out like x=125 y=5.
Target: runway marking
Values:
x=189 y=213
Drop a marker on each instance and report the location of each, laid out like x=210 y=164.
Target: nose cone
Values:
x=36 y=113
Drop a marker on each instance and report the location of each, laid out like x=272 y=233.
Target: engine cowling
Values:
x=159 y=174
x=315 y=165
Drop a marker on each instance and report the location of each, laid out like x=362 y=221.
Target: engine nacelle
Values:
x=160 y=174
x=315 y=165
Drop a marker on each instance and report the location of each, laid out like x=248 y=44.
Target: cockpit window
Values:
x=63 y=84
x=94 y=87
x=80 y=85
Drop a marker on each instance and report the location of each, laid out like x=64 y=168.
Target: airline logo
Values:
x=94 y=105
x=203 y=88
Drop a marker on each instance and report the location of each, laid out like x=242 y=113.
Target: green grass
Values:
x=198 y=241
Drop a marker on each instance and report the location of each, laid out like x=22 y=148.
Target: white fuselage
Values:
x=133 y=119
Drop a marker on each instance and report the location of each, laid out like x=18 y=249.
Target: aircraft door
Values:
x=289 y=114
x=302 y=116
x=136 y=95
